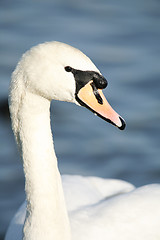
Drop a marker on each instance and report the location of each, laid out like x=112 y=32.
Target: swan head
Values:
x=58 y=71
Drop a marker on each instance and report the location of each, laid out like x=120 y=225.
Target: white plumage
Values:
x=96 y=208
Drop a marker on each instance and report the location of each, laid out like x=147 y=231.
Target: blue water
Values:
x=123 y=40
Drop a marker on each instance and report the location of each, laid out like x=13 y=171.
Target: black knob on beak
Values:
x=99 y=81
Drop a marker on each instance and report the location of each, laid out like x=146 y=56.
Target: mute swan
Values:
x=96 y=208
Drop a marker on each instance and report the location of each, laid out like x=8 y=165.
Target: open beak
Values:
x=93 y=98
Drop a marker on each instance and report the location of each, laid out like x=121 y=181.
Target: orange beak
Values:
x=97 y=103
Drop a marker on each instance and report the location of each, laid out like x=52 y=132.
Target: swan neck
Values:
x=46 y=216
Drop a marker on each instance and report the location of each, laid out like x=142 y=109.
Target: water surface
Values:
x=122 y=38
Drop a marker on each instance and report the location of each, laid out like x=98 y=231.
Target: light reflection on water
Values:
x=122 y=39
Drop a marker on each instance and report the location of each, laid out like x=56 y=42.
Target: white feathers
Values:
x=98 y=209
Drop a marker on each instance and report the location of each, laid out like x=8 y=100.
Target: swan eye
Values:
x=68 y=69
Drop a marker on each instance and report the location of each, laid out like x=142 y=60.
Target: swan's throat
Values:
x=46 y=216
